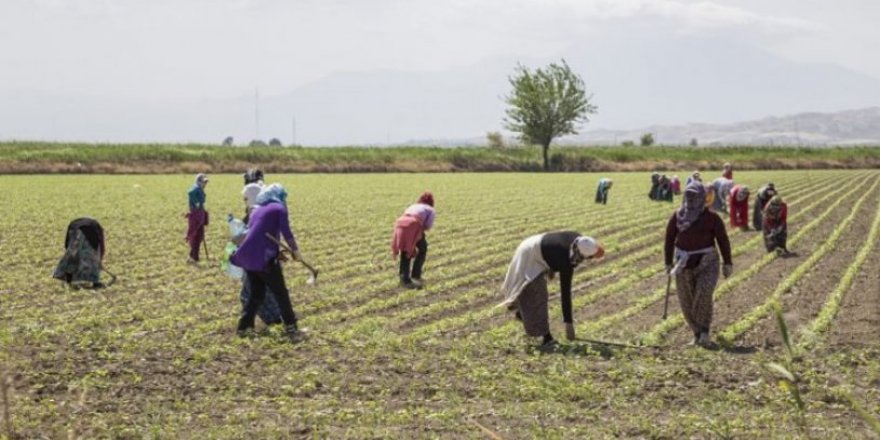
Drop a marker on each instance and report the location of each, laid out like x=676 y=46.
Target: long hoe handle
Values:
x=666 y=302
x=290 y=251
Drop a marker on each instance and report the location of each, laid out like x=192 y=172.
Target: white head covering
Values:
x=587 y=246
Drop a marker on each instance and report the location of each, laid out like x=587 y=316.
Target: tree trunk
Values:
x=546 y=148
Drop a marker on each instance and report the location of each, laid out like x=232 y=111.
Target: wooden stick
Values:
x=290 y=251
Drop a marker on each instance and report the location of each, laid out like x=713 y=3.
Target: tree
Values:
x=275 y=142
x=257 y=143
x=647 y=139
x=228 y=141
x=495 y=140
x=546 y=103
x=694 y=142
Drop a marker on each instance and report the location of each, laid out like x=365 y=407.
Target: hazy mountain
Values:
x=637 y=81
x=850 y=127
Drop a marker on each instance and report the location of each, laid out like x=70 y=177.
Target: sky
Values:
x=164 y=52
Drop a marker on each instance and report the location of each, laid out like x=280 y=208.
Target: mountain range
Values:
x=676 y=86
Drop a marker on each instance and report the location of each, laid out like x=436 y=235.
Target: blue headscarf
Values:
x=692 y=205
x=272 y=193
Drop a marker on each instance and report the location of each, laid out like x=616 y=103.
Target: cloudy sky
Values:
x=168 y=51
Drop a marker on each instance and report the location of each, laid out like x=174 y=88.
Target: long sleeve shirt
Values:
x=706 y=231
x=556 y=251
x=196 y=198
x=257 y=251
x=425 y=214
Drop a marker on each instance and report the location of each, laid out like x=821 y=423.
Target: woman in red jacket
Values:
x=739 y=207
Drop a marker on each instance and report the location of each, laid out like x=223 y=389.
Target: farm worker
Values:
x=721 y=186
x=763 y=196
x=197 y=217
x=664 y=191
x=676 y=185
x=409 y=241
x=260 y=258
x=253 y=184
x=727 y=171
x=525 y=286
x=602 y=190
x=83 y=253
x=691 y=257
x=738 y=204
x=694 y=176
x=655 y=185
x=775 y=226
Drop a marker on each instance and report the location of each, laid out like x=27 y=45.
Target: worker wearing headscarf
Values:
x=260 y=257
x=664 y=189
x=409 y=240
x=602 y=190
x=727 y=171
x=197 y=217
x=83 y=254
x=253 y=184
x=775 y=226
x=655 y=185
x=691 y=257
x=765 y=193
x=525 y=286
x=738 y=204
x=721 y=187
x=676 y=185
x=695 y=176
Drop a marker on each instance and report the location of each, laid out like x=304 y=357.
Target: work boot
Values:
x=548 y=345
x=704 y=340
x=419 y=281
x=409 y=284
x=294 y=333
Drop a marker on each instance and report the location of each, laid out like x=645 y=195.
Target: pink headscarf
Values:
x=427 y=198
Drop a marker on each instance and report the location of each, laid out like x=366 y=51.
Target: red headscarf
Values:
x=427 y=198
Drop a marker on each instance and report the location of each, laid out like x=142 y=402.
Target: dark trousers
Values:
x=417 y=265
x=196 y=244
x=256 y=283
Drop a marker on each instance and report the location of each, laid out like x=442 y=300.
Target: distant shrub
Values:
x=275 y=142
x=228 y=141
x=257 y=143
x=495 y=140
x=693 y=142
x=628 y=144
x=647 y=140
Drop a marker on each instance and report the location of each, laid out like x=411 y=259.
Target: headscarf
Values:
x=692 y=205
x=774 y=206
x=711 y=194
x=272 y=193
x=253 y=175
x=743 y=193
x=201 y=178
x=427 y=198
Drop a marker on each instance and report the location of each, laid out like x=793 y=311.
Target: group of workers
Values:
x=694 y=234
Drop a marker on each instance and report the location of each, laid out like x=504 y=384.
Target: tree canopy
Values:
x=546 y=103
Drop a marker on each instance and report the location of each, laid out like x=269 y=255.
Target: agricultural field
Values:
x=156 y=356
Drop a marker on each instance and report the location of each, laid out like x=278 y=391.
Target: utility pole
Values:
x=293 y=130
x=257 y=112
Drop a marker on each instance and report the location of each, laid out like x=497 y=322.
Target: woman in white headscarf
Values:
x=525 y=286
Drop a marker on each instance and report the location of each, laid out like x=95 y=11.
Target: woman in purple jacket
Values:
x=259 y=256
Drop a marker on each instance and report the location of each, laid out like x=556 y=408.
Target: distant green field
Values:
x=156 y=356
x=37 y=157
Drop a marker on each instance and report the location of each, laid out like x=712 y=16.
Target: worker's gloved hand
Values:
x=297 y=256
x=569 y=331
x=727 y=270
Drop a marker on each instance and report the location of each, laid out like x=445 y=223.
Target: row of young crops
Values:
x=156 y=351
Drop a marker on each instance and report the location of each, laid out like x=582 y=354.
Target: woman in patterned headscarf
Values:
x=602 y=190
x=775 y=226
x=691 y=235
